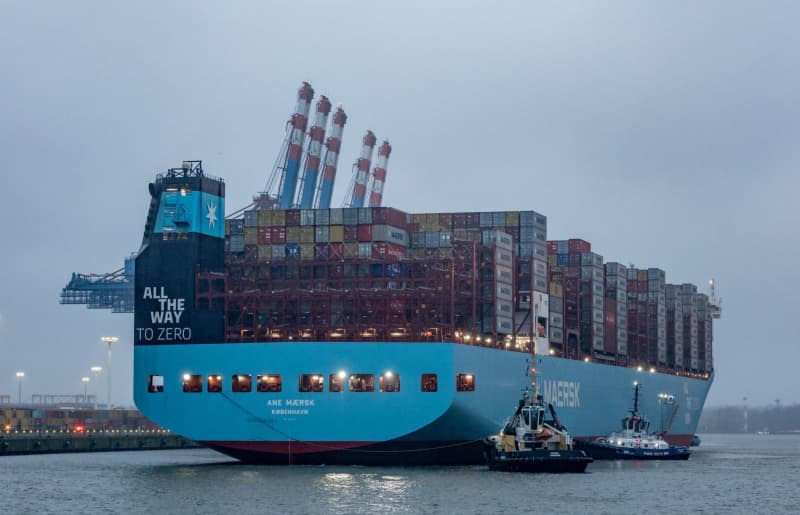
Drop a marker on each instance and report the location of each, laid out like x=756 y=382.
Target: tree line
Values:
x=738 y=419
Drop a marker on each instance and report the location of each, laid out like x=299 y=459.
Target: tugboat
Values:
x=635 y=441
x=529 y=443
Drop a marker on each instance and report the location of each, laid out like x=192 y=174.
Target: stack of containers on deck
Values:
x=437 y=235
x=500 y=316
x=576 y=274
x=533 y=261
x=592 y=302
x=647 y=316
x=318 y=234
x=657 y=315
x=234 y=235
x=515 y=263
x=616 y=310
x=688 y=293
x=704 y=334
x=674 y=327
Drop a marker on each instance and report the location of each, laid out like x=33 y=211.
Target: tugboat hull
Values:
x=601 y=451
x=536 y=460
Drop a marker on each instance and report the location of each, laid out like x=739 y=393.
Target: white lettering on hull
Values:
x=561 y=394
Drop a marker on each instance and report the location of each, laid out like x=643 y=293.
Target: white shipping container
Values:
x=504 y=308
x=390 y=234
x=541 y=304
x=504 y=292
x=556 y=320
x=539 y=268
x=503 y=256
x=504 y=325
x=504 y=274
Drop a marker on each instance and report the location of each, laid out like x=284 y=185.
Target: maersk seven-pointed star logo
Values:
x=211 y=215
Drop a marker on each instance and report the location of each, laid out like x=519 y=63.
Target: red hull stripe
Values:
x=287 y=447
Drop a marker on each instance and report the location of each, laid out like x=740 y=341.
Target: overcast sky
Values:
x=665 y=133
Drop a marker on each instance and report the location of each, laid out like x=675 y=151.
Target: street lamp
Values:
x=85 y=381
x=20 y=377
x=109 y=340
x=96 y=371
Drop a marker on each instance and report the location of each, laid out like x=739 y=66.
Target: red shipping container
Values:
x=459 y=221
x=350 y=233
x=292 y=217
x=577 y=245
x=396 y=218
x=551 y=246
x=380 y=215
x=364 y=233
x=277 y=235
x=473 y=220
x=264 y=236
x=388 y=250
x=335 y=250
x=446 y=220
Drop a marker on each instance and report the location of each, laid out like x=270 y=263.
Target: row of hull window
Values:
x=339 y=382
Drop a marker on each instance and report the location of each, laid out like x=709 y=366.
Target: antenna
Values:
x=714 y=303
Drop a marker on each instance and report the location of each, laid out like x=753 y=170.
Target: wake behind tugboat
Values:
x=529 y=443
x=635 y=441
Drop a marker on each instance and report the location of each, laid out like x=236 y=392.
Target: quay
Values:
x=67 y=425
x=49 y=442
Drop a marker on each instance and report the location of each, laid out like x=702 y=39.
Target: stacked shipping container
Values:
x=478 y=251
x=493 y=273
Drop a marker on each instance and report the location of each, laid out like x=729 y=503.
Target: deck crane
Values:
x=361 y=172
x=333 y=146
x=379 y=175
x=308 y=188
x=282 y=185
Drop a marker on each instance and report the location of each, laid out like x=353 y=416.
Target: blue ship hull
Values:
x=409 y=426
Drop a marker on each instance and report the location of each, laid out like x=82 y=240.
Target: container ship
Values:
x=290 y=332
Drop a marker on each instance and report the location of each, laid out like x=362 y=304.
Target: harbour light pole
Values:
x=96 y=371
x=85 y=381
x=109 y=340
x=20 y=377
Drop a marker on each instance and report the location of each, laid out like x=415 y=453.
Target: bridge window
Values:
x=311 y=383
x=242 y=383
x=362 y=383
x=155 y=384
x=465 y=383
x=192 y=383
x=336 y=382
x=268 y=383
x=215 y=383
x=430 y=382
x=390 y=382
